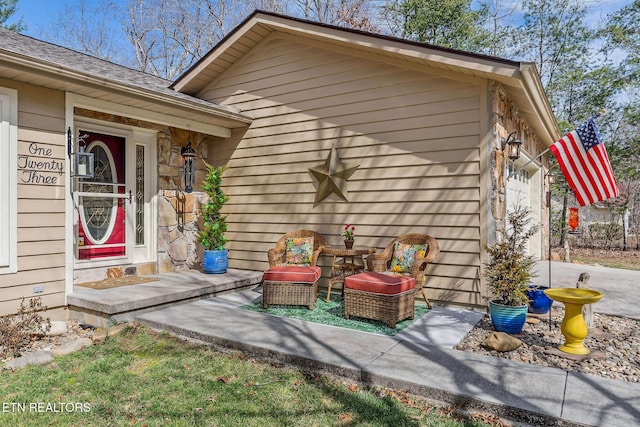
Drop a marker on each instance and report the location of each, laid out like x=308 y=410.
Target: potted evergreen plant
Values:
x=215 y=258
x=509 y=272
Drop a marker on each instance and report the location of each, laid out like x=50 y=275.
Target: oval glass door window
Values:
x=99 y=213
x=101 y=232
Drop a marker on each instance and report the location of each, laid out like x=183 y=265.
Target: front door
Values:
x=103 y=200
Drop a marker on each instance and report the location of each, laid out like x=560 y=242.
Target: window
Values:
x=140 y=193
x=8 y=176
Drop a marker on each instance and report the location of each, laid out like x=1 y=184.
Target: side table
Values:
x=345 y=263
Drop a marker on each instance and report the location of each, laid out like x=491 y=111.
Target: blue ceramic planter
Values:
x=215 y=261
x=506 y=318
x=539 y=302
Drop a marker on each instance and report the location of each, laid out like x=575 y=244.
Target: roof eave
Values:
x=345 y=36
x=533 y=87
x=44 y=68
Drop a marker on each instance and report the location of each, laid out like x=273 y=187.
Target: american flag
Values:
x=585 y=164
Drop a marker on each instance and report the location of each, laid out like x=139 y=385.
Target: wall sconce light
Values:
x=188 y=157
x=513 y=146
x=81 y=161
x=551 y=177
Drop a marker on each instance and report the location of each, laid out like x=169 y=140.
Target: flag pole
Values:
x=549 y=176
x=595 y=116
x=549 y=236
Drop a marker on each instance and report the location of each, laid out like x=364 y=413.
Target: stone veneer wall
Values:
x=178 y=212
x=505 y=120
x=178 y=229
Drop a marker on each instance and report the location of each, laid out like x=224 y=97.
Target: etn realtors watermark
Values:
x=43 y=407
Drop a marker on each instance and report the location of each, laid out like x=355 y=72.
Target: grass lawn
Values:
x=624 y=264
x=628 y=260
x=144 y=378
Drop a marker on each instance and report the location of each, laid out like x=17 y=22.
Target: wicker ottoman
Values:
x=290 y=285
x=385 y=297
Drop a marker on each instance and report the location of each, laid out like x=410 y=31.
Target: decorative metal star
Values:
x=332 y=176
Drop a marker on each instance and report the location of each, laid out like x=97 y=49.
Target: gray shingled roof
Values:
x=64 y=58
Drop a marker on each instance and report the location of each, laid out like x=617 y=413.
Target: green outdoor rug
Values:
x=332 y=314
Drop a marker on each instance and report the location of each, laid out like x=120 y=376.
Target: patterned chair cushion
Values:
x=379 y=283
x=404 y=255
x=299 y=251
x=292 y=274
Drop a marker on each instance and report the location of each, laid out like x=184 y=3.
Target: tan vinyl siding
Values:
x=414 y=134
x=41 y=208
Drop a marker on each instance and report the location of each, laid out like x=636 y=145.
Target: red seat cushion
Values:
x=379 y=283
x=292 y=273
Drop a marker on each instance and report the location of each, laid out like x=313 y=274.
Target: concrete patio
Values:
x=420 y=359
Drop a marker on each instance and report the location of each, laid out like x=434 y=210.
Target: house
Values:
x=420 y=128
x=57 y=229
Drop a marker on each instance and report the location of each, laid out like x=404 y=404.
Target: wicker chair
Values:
x=290 y=284
x=379 y=261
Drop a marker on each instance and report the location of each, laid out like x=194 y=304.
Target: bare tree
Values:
x=356 y=14
x=88 y=27
x=346 y=13
x=170 y=35
x=165 y=37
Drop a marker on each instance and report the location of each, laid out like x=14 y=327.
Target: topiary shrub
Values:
x=215 y=224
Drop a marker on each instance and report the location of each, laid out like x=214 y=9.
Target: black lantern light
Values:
x=513 y=146
x=188 y=157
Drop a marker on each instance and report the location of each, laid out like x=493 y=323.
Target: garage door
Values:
x=523 y=188
x=518 y=187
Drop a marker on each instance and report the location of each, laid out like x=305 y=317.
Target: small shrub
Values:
x=18 y=330
x=605 y=234
x=509 y=271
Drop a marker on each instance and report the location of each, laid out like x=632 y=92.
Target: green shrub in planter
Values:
x=509 y=272
x=212 y=236
x=215 y=224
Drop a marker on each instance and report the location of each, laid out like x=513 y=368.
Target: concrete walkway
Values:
x=621 y=288
x=419 y=359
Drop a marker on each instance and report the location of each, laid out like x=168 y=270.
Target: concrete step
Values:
x=121 y=304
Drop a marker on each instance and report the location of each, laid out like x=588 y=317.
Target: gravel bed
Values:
x=38 y=343
x=617 y=338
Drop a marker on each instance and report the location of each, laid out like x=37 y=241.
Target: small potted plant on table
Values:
x=348 y=235
x=509 y=272
x=215 y=258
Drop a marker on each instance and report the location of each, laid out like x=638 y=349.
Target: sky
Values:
x=39 y=14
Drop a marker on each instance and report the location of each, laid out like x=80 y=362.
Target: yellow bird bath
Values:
x=573 y=325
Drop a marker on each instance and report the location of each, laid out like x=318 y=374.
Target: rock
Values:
x=58 y=327
x=36 y=358
x=165 y=264
x=166 y=213
x=532 y=320
x=500 y=341
x=101 y=334
x=178 y=250
x=72 y=346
